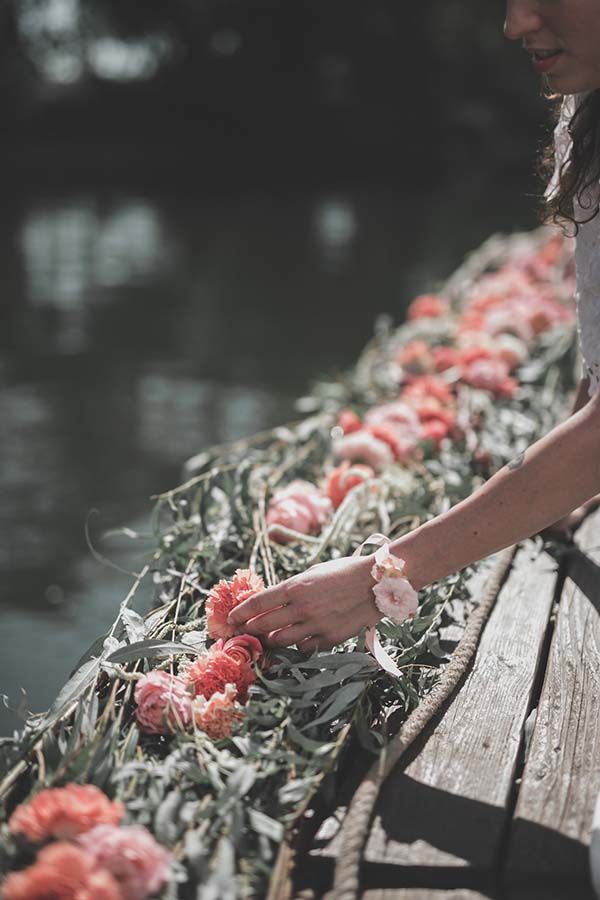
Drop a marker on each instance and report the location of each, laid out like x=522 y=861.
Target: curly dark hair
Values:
x=579 y=171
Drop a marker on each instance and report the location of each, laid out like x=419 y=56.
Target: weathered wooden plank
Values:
x=448 y=808
x=552 y=826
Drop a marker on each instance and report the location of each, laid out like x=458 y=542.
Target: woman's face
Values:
x=563 y=39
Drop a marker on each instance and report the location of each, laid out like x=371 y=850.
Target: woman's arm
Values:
x=332 y=601
x=543 y=484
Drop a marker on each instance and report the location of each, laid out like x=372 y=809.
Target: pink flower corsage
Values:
x=395 y=597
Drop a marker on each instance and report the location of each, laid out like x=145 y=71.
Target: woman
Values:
x=333 y=601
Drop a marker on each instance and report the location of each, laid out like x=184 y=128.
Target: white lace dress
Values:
x=587 y=257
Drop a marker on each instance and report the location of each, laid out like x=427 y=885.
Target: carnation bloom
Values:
x=64 y=812
x=362 y=446
x=349 y=421
x=62 y=871
x=301 y=506
x=341 y=481
x=138 y=863
x=428 y=306
x=217 y=715
x=163 y=703
x=211 y=672
x=225 y=596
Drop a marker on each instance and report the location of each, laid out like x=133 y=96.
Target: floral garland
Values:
x=209 y=740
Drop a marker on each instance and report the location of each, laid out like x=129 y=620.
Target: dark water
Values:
x=137 y=328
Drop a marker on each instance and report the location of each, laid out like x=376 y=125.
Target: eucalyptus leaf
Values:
x=345 y=696
x=265 y=825
x=149 y=649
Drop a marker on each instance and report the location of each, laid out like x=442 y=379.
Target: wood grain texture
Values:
x=447 y=809
x=552 y=825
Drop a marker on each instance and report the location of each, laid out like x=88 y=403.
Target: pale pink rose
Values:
x=362 y=446
x=64 y=812
x=396 y=413
x=395 y=597
x=163 y=703
x=140 y=865
x=218 y=714
x=300 y=506
x=225 y=596
x=62 y=871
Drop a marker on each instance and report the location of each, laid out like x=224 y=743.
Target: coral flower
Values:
x=62 y=871
x=428 y=306
x=428 y=388
x=244 y=648
x=218 y=715
x=225 y=596
x=211 y=672
x=300 y=506
x=415 y=358
x=140 y=865
x=163 y=703
x=444 y=358
x=489 y=373
x=341 y=481
x=64 y=812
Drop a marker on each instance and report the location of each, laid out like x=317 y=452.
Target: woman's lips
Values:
x=543 y=60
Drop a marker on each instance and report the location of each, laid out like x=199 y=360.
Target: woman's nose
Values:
x=522 y=18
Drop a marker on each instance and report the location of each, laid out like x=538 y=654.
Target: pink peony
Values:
x=211 y=672
x=226 y=595
x=64 y=813
x=218 y=715
x=301 y=506
x=62 y=871
x=428 y=306
x=341 y=481
x=362 y=446
x=163 y=703
x=139 y=864
x=398 y=425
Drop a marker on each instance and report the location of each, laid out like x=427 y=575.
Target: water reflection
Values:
x=72 y=252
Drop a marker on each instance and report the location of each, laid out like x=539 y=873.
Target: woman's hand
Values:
x=323 y=606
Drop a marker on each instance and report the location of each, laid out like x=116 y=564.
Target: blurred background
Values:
x=205 y=204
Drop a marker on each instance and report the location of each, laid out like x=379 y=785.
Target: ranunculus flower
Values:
x=428 y=306
x=218 y=715
x=349 y=421
x=163 y=703
x=362 y=446
x=341 y=481
x=244 y=648
x=226 y=595
x=64 y=812
x=140 y=865
x=211 y=672
x=300 y=506
x=62 y=871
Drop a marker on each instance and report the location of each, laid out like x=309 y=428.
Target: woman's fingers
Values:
x=281 y=617
x=293 y=634
x=268 y=599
